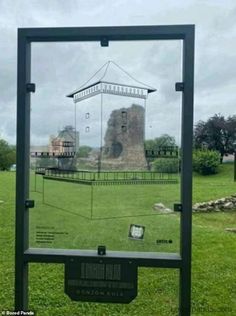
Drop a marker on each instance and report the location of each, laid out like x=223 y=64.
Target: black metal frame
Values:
x=235 y=165
x=23 y=254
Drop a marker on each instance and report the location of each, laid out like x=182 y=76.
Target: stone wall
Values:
x=223 y=204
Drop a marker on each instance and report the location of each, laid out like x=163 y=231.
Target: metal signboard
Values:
x=107 y=196
x=98 y=280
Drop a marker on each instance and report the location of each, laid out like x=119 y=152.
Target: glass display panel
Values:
x=106 y=146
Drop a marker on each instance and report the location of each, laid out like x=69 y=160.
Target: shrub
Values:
x=166 y=165
x=206 y=161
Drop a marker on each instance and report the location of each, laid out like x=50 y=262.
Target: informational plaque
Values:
x=106 y=280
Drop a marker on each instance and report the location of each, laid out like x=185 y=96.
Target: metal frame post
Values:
x=23 y=254
x=234 y=165
x=22 y=172
x=186 y=173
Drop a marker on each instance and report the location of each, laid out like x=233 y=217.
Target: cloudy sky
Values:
x=58 y=69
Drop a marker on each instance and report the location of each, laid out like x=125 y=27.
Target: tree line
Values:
x=216 y=134
x=212 y=140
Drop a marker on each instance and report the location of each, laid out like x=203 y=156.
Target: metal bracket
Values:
x=29 y=203
x=30 y=87
x=104 y=42
x=179 y=86
x=178 y=207
x=101 y=250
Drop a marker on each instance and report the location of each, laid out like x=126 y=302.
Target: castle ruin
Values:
x=124 y=140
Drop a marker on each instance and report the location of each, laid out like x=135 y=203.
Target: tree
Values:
x=163 y=140
x=7 y=155
x=217 y=133
x=84 y=151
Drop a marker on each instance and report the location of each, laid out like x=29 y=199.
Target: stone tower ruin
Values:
x=124 y=139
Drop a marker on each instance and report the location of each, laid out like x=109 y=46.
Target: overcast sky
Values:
x=58 y=69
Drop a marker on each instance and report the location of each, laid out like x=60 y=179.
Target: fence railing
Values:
x=109 y=175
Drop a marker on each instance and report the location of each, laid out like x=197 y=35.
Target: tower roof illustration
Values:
x=111 y=74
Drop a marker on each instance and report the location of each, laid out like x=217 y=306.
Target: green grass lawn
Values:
x=67 y=208
x=77 y=210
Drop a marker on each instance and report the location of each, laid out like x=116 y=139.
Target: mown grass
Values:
x=102 y=215
x=213 y=265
